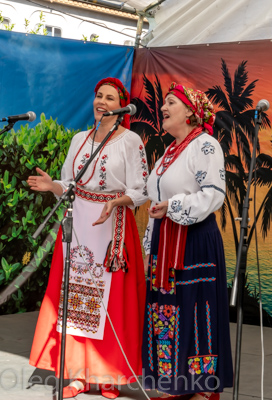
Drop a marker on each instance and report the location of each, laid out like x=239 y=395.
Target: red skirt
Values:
x=97 y=361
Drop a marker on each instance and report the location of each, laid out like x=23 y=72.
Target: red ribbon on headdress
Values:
x=198 y=102
x=123 y=95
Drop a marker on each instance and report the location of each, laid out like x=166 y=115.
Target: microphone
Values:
x=29 y=116
x=263 y=105
x=129 y=109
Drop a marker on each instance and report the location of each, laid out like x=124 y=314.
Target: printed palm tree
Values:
x=148 y=121
x=264 y=178
x=235 y=130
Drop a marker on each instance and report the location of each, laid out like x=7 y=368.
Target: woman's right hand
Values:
x=42 y=183
x=159 y=210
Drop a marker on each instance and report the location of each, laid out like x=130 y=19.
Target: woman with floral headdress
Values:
x=105 y=256
x=186 y=349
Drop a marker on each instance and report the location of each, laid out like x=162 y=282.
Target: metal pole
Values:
x=237 y=292
x=139 y=30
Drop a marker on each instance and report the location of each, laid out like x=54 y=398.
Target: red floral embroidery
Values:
x=168 y=311
x=103 y=173
x=195 y=365
x=144 y=167
x=165 y=367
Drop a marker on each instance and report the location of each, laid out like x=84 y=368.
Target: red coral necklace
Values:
x=174 y=151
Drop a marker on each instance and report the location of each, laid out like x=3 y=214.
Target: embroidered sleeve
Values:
x=207 y=164
x=136 y=171
x=148 y=234
x=67 y=168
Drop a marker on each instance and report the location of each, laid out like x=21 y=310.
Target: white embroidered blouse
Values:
x=194 y=184
x=121 y=166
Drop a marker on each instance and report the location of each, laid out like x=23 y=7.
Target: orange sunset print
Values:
x=235 y=78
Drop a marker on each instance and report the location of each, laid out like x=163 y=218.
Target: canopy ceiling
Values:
x=138 y=4
x=181 y=22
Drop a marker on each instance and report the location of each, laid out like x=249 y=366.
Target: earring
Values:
x=188 y=121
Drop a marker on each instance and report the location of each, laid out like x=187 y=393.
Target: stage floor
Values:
x=16 y=333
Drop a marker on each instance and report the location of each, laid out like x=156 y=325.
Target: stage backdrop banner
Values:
x=56 y=76
x=235 y=76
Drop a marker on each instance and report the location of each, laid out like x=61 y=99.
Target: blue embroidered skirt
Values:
x=186 y=346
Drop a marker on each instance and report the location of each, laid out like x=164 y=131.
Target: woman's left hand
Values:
x=105 y=214
x=159 y=210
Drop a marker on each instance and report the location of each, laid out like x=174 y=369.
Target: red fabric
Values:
x=97 y=360
x=123 y=95
x=171 y=251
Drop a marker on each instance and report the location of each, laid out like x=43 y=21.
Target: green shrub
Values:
x=22 y=210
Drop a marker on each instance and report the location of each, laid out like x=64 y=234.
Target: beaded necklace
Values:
x=96 y=161
x=174 y=151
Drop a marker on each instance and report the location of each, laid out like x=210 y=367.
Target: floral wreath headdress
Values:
x=198 y=102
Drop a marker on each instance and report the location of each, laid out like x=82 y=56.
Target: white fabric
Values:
x=89 y=318
x=138 y=4
x=181 y=22
x=121 y=166
x=148 y=234
x=194 y=184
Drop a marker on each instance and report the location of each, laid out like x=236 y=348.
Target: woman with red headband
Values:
x=105 y=256
x=186 y=349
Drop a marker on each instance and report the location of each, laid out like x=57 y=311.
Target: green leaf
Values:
x=4 y=264
x=48 y=246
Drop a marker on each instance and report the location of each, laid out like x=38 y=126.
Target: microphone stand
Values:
x=67 y=227
x=240 y=272
x=7 y=127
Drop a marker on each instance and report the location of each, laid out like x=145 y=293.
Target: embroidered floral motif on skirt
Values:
x=84 y=302
x=186 y=345
x=86 y=316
